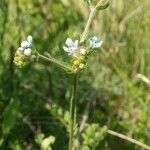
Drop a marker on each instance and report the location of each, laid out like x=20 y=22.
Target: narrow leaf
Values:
x=10 y=116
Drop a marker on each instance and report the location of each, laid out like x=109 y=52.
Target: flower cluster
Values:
x=79 y=53
x=23 y=52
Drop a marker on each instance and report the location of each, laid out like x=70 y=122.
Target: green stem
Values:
x=73 y=110
x=56 y=62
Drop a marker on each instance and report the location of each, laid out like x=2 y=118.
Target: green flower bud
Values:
x=76 y=62
x=82 y=66
x=19 y=59
x=82 y=58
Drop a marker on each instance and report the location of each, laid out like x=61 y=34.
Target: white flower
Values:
x=95 y=42
x=71 y=47
x=27 y=52
x=25 y=44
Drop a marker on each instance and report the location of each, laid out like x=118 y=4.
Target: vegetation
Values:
x=112 y=101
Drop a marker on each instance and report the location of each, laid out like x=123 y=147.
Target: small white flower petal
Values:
x=66 y=49
x=69 y=42
x=25 y=45
x=101 y=42
x=76 y=43
x=30 y=39
x=27 y=52
x=96 y=39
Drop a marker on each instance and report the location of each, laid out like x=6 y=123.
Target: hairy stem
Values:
x=73 y=110
x=56 y=62
x=128 y=139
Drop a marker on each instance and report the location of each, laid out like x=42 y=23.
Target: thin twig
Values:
x=127 y=138
x=85 y=117
x=56 y=62
x=143 y=78
x=90 y=19
x=92 y=12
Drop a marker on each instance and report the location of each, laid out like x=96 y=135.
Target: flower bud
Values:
x=30 y=39
x=76 y=62
x=27 y=52
x=82 y=66
x=25 y=44
x=83 y=51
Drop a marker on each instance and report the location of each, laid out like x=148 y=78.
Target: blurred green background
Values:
x=118 y=96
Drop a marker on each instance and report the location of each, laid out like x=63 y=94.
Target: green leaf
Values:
x=10 y=116
x=92 y=136
x=103 y=6
x=1 y=141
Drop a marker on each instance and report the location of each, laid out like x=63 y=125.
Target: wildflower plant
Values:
x=79 y=51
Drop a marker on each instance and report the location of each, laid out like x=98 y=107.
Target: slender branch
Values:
x=84 y=35
x=143 y=78
x=73 y=110
x=90 y=19
x=56 y=62
x=85 y=118
x=128 y=139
